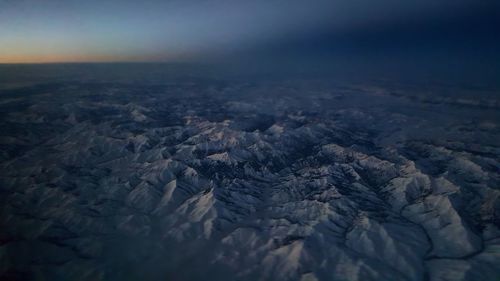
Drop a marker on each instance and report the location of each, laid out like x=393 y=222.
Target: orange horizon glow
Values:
x=35 y=59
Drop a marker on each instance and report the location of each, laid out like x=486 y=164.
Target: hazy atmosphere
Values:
x=200 y=30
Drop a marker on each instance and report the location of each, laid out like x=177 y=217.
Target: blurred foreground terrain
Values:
x=109 y=175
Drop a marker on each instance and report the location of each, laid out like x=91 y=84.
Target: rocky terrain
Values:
x=247 y=181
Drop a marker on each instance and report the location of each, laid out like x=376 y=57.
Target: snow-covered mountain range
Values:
x=247 y=181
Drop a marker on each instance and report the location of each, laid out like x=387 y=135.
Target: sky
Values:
x=38 y=31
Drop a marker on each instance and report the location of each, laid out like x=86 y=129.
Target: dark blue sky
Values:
x=204 y=30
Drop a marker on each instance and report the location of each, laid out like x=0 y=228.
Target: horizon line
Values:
x=103 y=62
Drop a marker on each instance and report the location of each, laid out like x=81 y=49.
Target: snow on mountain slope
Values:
x=129 y=182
